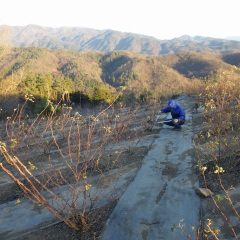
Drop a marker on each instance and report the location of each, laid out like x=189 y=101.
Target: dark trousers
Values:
x=170 y=122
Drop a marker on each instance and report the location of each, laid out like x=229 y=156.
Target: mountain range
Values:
x=85 y=39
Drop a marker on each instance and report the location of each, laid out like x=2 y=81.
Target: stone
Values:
x=204 y=192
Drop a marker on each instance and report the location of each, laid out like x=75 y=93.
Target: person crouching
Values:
x=177 y=112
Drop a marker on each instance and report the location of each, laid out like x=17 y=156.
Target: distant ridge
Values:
x=86 y=39
x=235 y=38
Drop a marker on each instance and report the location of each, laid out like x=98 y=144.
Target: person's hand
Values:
x=175 y=121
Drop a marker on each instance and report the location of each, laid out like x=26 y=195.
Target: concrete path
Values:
x=162 y=194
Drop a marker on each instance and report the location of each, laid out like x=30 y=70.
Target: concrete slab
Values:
x=162 y=194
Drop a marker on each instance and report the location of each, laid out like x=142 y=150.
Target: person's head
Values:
x=172 y=103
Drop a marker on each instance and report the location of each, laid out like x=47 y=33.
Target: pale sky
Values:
x=162 y=19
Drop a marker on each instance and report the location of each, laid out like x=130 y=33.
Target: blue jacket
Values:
x=176 y=112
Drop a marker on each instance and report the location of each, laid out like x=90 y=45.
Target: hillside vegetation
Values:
x=232 y=58
x=200 y=65
x=54 y=75
x=94 y=76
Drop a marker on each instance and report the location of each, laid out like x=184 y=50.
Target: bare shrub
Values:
x=47 y=152
x=217 y=147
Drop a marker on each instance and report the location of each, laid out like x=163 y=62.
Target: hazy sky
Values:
x=159 y=18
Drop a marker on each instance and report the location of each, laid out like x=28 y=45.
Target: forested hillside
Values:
x=52 y=75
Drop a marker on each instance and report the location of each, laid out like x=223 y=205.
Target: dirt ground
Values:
x=62 y=232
